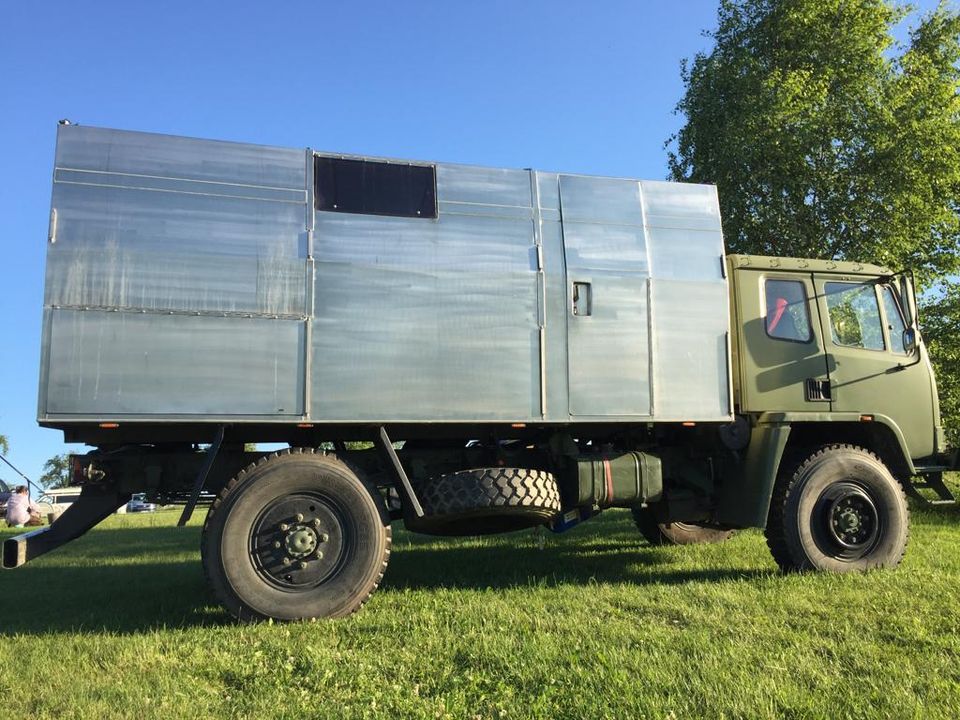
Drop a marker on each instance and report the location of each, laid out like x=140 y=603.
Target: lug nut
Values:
x=302 y=564
x=276 y=544
x=319 y=555
x=284 y=527
x=286 y=561
x=324 y=537
x=316 y=522
x=299 y=517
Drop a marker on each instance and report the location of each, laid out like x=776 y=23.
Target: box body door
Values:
x=608 y=297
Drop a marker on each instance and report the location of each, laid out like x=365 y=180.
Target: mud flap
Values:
x=745 y=498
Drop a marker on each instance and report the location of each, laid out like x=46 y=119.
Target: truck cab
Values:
x=829 y=340
x=827 y=352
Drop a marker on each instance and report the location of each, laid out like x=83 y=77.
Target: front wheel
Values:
x=297 y=535
x=839 y=509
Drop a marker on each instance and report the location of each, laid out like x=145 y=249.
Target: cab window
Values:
x=895 y=322
x=787 y=315
x=854 y=315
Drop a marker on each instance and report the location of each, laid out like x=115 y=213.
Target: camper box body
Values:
x=197 y=281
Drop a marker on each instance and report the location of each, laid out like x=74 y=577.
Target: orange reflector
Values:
x=689 y=424
x=866 y=418
x=109 y=426
x=518 y=425
x=304 y=425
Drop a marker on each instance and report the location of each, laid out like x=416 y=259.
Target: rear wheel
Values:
x=296 y=535
x=839 y=509
x=675 y=533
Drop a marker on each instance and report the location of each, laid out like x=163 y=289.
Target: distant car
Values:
x=138 y=503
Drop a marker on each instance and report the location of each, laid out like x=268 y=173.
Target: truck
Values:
x=464 y=349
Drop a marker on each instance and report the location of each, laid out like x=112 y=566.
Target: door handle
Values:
x=582 y=299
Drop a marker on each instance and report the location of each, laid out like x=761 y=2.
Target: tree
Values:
x=826 y=138
x=4 y=444
x=56 y=472
x=941 y=328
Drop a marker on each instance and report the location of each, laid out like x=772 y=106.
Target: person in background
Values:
x=20 y=511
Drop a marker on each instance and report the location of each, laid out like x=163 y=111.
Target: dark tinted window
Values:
x=787 y=315
x=375 y=188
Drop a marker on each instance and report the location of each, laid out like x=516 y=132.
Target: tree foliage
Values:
x=4 y=444
x=56 y=472
x=941 y=332
x=825 y=137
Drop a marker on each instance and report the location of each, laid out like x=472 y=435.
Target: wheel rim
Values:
x=297 y=542
x=849 y=523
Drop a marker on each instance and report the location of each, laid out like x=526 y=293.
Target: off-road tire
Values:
x=485 y=500
x=235 y=539
x=675 y=533
x=808 y=501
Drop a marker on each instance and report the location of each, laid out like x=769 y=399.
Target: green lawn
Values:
x=593 y=623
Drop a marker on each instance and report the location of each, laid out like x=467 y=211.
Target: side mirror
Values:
x=910 y=339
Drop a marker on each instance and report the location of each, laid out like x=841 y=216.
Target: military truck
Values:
x=467 y=350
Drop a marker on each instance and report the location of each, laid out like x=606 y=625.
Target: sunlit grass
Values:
x=593 y=623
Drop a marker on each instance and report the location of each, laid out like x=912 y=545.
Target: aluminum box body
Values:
x=193 y=281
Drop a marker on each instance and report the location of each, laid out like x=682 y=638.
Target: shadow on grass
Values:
x=505 y=567
x=130 y=580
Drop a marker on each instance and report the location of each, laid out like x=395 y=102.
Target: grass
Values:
x=593 y=623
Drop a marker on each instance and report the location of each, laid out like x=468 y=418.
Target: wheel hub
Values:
x=300 y=541
x=851 y=519
x=297 y=542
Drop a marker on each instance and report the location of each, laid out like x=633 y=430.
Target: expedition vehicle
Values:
x=520 y=348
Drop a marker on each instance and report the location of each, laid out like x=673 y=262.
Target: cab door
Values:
x=871 y=373
x=782 y=363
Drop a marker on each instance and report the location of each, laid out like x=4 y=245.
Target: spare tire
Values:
x=485 y=500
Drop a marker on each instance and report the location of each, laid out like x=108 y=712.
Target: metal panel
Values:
x=198 y=250
x=605 y=248
x=609 y=349
x=181 y=226
x=609 y=201
x=119 y=151
x=179 y=284
x=483 y=186
x=114 y=363
x=690 y=350
x=429 y=320
x=689 y=297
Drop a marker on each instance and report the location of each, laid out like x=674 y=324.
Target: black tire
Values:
x=675 y=533
x=486 y=500
x=263 y=561
x=839 y=509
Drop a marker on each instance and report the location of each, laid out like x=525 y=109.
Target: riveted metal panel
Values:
x=195 y=252
x=110 y=364
x=180 y=283
x=429 y=319
x=690 y=350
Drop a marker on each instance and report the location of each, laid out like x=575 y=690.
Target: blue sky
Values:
x=575 y=86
